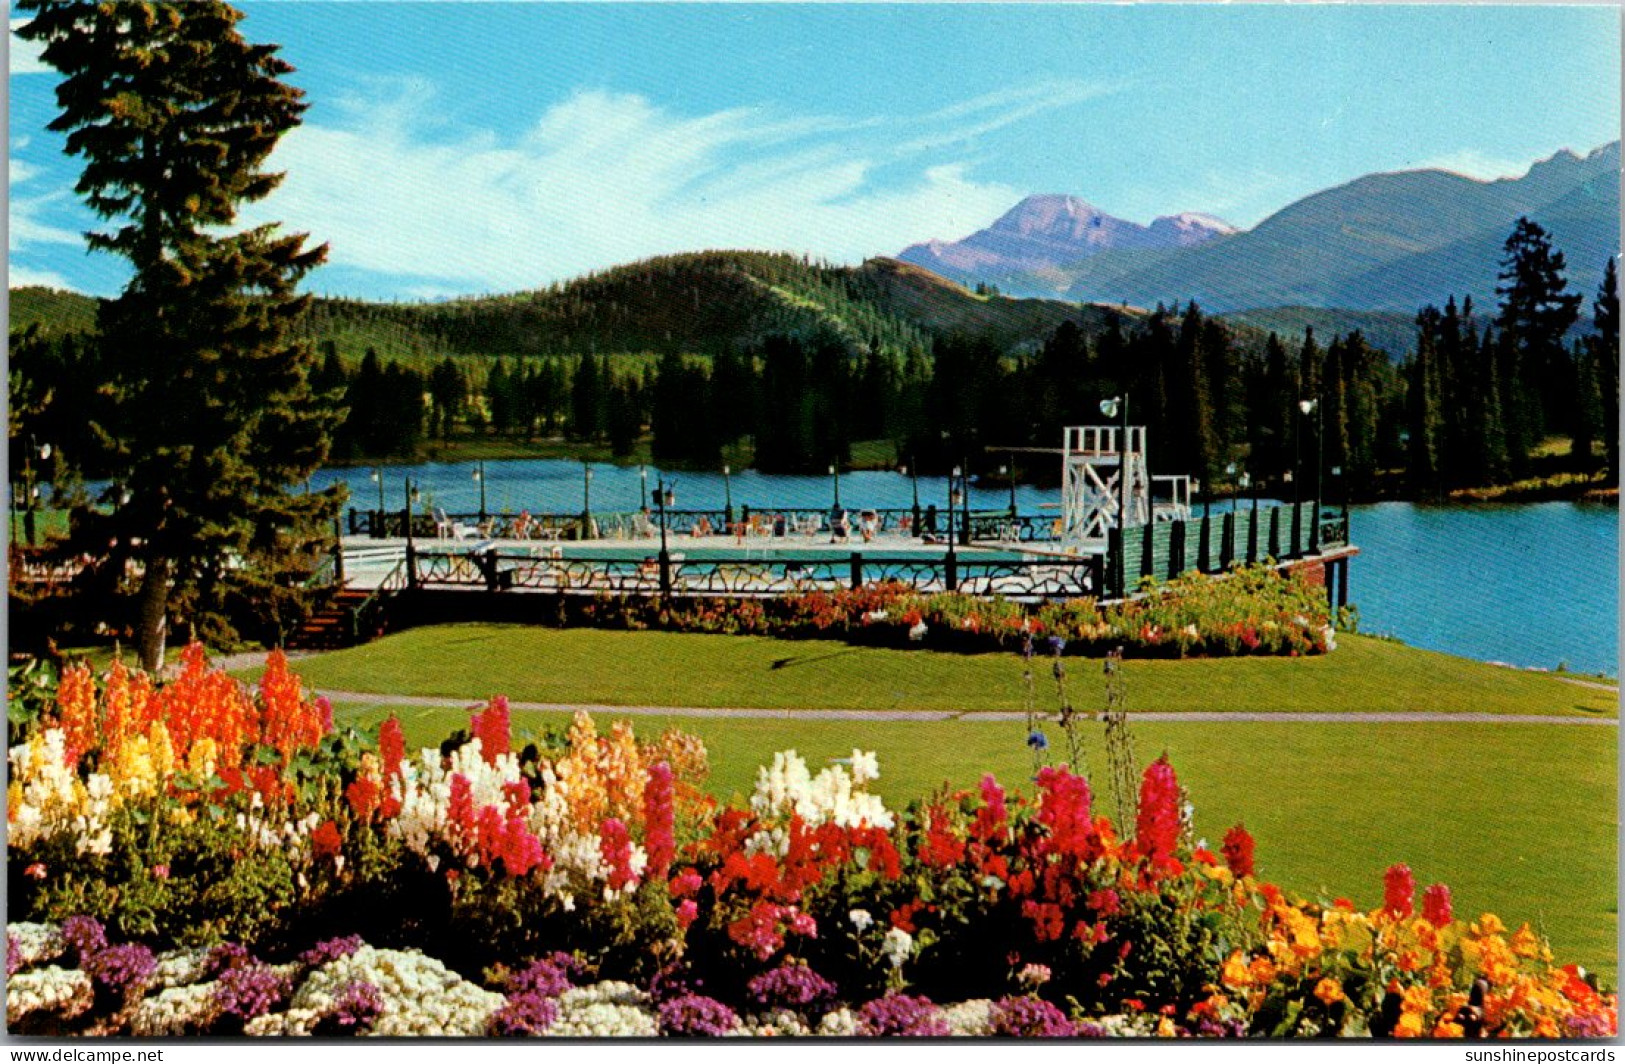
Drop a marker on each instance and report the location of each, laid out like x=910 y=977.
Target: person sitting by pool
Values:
x=839 y=527
x=702 y=527
x=521 y=526
x=870 y=523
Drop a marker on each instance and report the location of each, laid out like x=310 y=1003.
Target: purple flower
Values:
x=1029 y=1017
x=84 y=936
x=250 y=990
x=130 y=966
x=548 y=977
x=1086 y=1029
x=791 y=987
x=226 y=957
x=1589 y=1025
x=330 y=950
x=899 y=1015
x=1056 y=644
x=526 y=1013
x=1208 y=1027
x=356 y=1006
x=696 y=1016
x=14 y=958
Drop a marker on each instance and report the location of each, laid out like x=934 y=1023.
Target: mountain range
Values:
x=1383 y=242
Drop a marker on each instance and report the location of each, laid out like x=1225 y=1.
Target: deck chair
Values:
x=444 y=526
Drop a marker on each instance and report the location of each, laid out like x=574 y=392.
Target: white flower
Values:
x=917 y=632
x=898 y=946
x=181 y=967
x=294 y=1022
x=970 y=1019
x=52 y=989
x=422 y=998
x=838 y=1024
x=861 y=919
x=35 y=943
x=174 y=1011
x=865 y=767
x=609 y=1009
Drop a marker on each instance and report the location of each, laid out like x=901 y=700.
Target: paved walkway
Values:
x=369 y=698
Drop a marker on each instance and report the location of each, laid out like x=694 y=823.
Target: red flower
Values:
x=1436 y=905
x=460 y=809
x=1105 y=902
x=940 y=848
x=326 y=841
x=1238 y=851
x=659 y=819
x=1064 y=810
x=391 y=746
x=615 y=844
x=992 y=816
x=1399 y=890
x=363 y=797
x=1156 y=829
x=492 y=730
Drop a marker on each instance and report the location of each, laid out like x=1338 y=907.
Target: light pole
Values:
x=955 y=497
x=1320 y=459
x=664 y=497
x=30 y=488
x=1111 y=408
x=411 y=497
x=377 y=477
x=835 y=476
x=912 y=471
x=586 y=501
x=1306 y=407
x=1010 y=472
x=479 y=477
x=728 y=496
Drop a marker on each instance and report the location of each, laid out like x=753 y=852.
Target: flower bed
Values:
x=1251 y=610
x=188 y=859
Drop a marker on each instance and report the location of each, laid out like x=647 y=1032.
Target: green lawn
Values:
x=667 y=669
x=1518 y=819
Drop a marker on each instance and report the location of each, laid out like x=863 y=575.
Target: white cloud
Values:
x=24 y=56
x=24 y=276
x=605 y=178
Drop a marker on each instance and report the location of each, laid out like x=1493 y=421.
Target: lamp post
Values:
x=664 y=497
x=955 y=497
x=1010 y=472
x=1305 y=407
x=586 y=501
x=912 y=471
x=1111 y=408
x=377 y=477
x=835 y=476
x=728 y=496
x=479 y=478
x=411 y=497
x=30 y=488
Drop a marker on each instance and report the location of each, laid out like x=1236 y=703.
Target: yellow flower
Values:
x=1166 y=1029
x=1235 y=973
x=1329 y=991
x=1525 y=943
x=1409 y=1026
x=1489 y=924
x=1446 y=1029
x=1262 y=971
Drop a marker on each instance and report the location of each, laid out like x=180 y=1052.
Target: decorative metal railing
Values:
x=494 y=569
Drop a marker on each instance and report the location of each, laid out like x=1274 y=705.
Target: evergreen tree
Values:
x=1605 y=363
x=175 y=114
x=1422 y=412
x=1536 y=312
x=587 y=400
x=448 y=396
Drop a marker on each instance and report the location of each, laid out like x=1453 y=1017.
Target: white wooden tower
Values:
x=1094 y=462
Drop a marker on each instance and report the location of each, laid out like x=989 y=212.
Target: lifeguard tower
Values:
x=1098 y=463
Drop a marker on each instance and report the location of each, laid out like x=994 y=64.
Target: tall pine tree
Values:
x=174 y=114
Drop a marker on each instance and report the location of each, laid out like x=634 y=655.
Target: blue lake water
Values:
x=1533 y=585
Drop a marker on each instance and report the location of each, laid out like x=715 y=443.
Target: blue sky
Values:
x=458 y=148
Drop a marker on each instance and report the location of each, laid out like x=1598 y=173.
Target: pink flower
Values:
x=659 y=818
x=35 y=871
x=804 y=925
x=685 y=883
x=1436 y=905
x=687 y=911
x=1156 y=828
x=492 y=730
x=160 y=871
x=1399 y=890
x=615 y=844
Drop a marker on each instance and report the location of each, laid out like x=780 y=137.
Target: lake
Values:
x=1533 y=585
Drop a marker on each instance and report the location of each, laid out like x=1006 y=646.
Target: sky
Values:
x=466 y=148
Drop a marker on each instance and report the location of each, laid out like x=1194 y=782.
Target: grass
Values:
x=669 y=669
x=1518 y=819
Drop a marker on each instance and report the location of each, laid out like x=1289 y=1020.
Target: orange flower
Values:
x=76 y=711
x=1262 y=971
x=1235 y=973
x=1329 y=991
